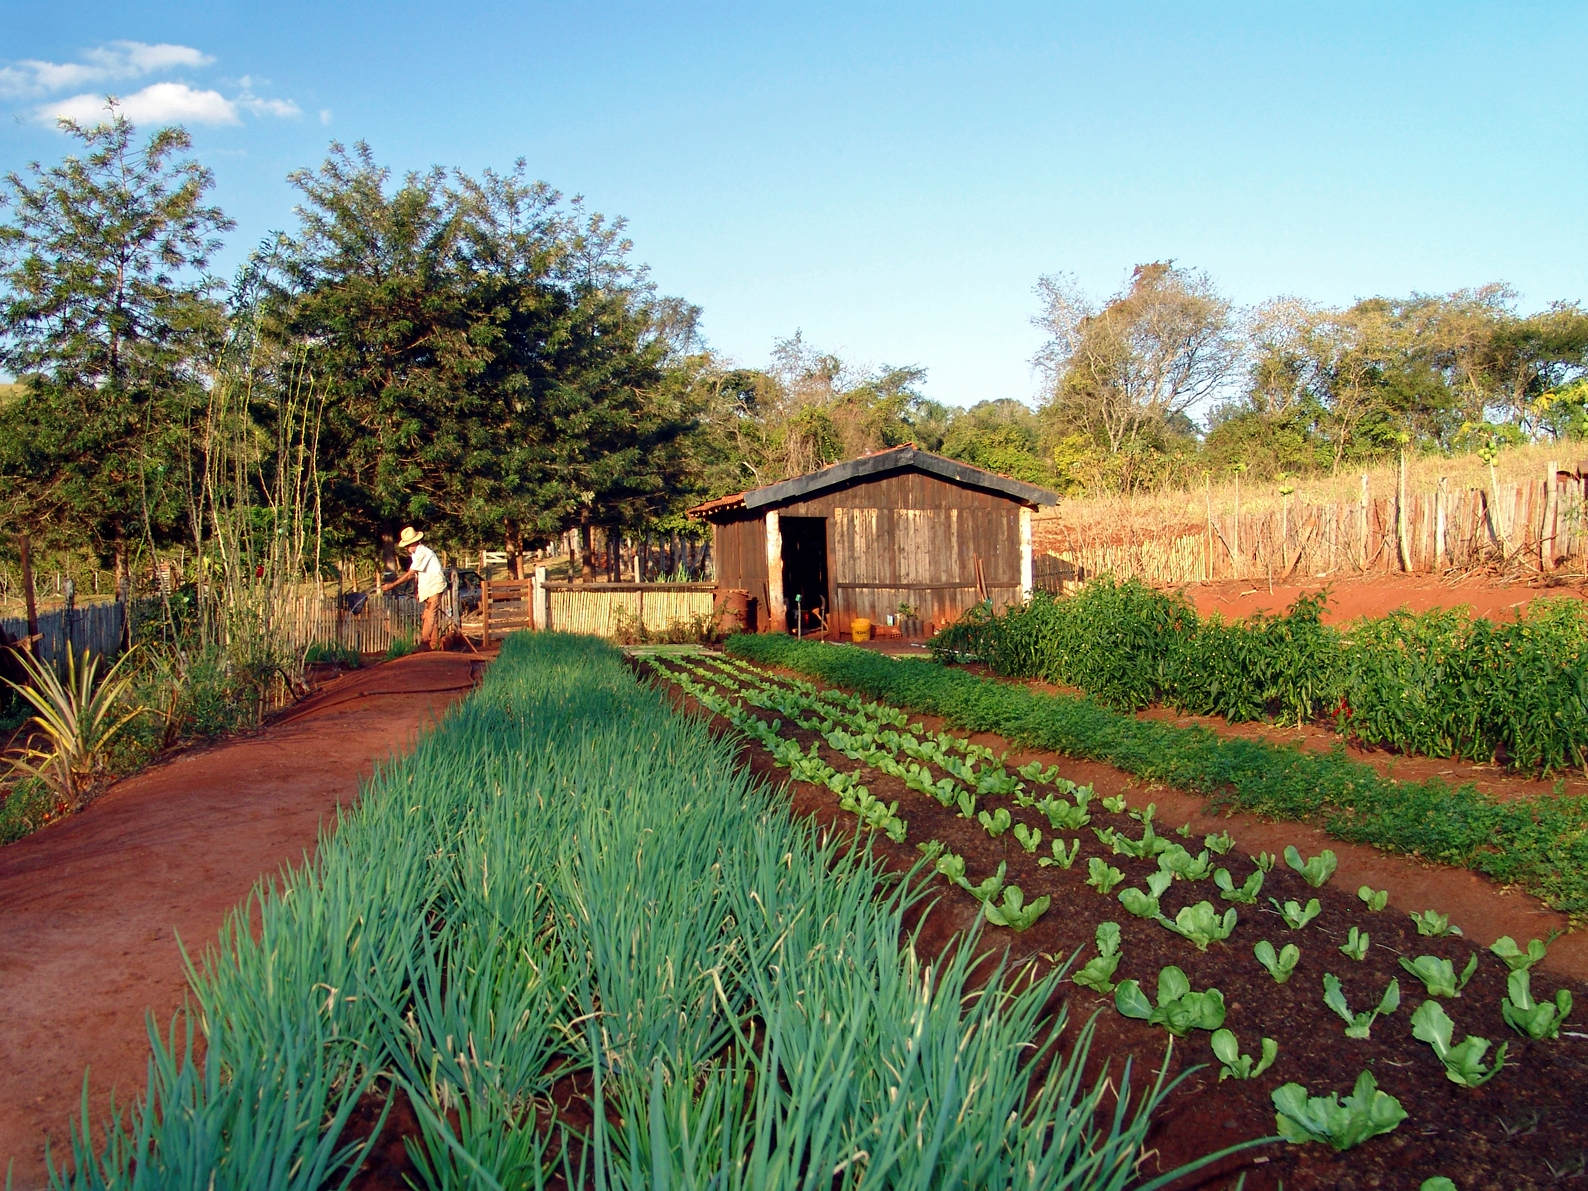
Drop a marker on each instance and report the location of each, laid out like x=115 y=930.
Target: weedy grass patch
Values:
x=1540 y=844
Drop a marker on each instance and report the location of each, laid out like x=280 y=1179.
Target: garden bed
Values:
x=1525 y=1127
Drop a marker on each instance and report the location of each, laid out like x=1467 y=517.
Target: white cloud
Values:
x=158 y=103
x=116 y=61
x=325 y=115
x=269 y=107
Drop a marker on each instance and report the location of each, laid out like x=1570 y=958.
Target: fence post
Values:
x=540 y=613
x=485 y=613
x=1551 y=509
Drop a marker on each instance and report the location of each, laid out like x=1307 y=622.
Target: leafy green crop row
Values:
x=1440 y=683
x=566 y=878
x=1541 y=844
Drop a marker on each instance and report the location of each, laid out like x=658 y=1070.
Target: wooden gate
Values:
x=505 y=605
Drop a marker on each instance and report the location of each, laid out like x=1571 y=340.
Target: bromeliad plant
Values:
x=1359 y=1025
x=1463 y=1063
x=1439 y=975
x=1227 y=1049
x=1179 y=1009
x=1366 y=1112
x=1526 y=1016
x=1317 y=870
x=1281 y=964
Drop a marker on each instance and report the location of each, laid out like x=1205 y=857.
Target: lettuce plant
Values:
x=1228 y=1052
x=1180 y=1010
x=990 y=887
x=1464 y=1063
x=1145 y=817
x=1359 y=1025
x=1220 y=843
x=1145 y=905
x=1281 y=964
x=1526 y=1016
x=996 y=823
x=1098 y=974
x=1439 y=975
x=1184 y=830
x=1355 y=945
x=1060 y=856
x=1295 y=915
x=1035 y=773
x=1317 y=870
x=1373 y=899
x=1433 y=926
x=1115 y=803
x=1202 y=924
x=950 y=865
x=997 y=781
x=1014 y=911
x=1062 y=816
x=1103 y=876
x=1264 y=862
x=1030 y=838
x=1515 y=958
x=1246 y=895
x=1366 y=1112
x=1185 y=866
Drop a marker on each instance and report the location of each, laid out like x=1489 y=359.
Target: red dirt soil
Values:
x=94 y=905
x=1350 y=599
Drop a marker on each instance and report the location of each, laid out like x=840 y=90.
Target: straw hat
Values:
x=410 y=537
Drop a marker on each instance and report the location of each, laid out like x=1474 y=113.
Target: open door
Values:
x=805 y=573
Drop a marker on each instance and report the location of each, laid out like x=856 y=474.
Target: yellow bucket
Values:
x=860 y=629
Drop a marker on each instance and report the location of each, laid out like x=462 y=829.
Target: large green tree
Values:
x=107 y=316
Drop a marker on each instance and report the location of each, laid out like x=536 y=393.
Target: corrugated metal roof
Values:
x=903 y=458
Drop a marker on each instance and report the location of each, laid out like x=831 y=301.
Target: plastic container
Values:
x=860 y=629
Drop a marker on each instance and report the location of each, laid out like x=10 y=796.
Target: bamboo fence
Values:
x=606 y=609
x=1533 y=525
x=305 y=620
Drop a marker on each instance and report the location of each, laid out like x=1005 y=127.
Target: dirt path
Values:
x=1379 y=595
x=91 y=908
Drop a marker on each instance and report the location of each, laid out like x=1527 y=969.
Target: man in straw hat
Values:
x=425 y=567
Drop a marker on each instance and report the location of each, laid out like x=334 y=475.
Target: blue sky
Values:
x=892 y=180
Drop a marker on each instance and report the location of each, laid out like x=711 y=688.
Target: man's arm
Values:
x=399 y=581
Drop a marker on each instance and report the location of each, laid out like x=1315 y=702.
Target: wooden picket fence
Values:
x=94 y=627
x=1532 y=526
x=301 y=621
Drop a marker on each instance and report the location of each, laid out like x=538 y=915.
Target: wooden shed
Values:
x=862 y=537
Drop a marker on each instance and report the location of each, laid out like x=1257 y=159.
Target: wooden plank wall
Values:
x=94 y=627
x=740 y=547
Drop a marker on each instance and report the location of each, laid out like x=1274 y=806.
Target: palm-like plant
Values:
x=80 y=718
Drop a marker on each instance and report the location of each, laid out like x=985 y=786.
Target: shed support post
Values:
x=538 y=617
x=776 y=613
x=1025 y=555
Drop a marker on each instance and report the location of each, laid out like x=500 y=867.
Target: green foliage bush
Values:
x=1540 y=844
x=1441 y=683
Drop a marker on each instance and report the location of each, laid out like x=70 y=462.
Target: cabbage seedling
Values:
x=1098 y=974
x=1179 y=1009
x=997 y=782
x=1228 y=1052
x=1434 y=925
x=952 y=866
x=1220 y=843
x=1526 y=1016
x=1439 y=975
x=1035 y=773
x=1146 y=816
x=967 y=804
x=990 y=887
x=1464 y=1063
x=1317 y=870
x=1358 y=1025
x=1062 y=816
x=1060 y=856
x=1104 y=876
x=1279 y=965
x=1115 y=803
x=1515 y=958
x=1373 y=899
x=1366 y=1112
x=1182 y=864
x=1246 y=895
x=1295 y=915
x=995 y=824
x=1014 y=911
x=1264 y=862
x=1030 y=838
x=1145 y=905
x=1355 y=944
x=1202 y=924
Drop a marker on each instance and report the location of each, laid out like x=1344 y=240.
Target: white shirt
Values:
x=427 y=569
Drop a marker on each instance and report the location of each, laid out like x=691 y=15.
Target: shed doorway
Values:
x=805 y=573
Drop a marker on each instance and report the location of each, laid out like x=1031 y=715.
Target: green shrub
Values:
x=321 y=653
x=401 y=647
